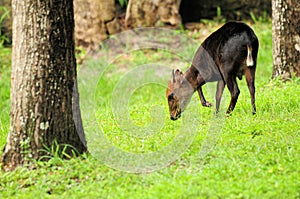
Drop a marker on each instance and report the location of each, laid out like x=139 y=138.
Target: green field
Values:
x=241 y=156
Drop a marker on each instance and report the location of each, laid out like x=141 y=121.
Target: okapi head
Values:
x=179 y=93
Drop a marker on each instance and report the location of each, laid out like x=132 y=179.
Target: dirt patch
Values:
x=174 y=48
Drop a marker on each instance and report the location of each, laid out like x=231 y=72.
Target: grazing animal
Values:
x=227 y=53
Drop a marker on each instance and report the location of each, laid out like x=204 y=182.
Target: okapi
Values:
x=227 y=53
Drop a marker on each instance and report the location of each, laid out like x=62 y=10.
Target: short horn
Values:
x=173 y=76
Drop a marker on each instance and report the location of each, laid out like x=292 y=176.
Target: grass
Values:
x=5 y=62
x=250 y=156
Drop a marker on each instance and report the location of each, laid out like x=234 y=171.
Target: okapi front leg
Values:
x=202 y=98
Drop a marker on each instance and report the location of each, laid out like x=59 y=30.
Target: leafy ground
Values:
x=249 y=156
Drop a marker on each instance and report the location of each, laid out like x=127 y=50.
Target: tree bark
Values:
x=94 y=21
x=43 y=79
x=152 y=12
x=286 y=38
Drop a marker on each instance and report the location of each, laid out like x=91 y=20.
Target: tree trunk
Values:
x=152 y=12
x=43 y=79
x=94 y=21
x=286 y=38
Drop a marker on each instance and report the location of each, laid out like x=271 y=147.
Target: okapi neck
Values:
x=192 y=76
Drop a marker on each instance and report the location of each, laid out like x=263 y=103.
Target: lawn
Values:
x=136 y=151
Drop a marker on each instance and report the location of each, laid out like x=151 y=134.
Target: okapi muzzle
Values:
x=179 y=93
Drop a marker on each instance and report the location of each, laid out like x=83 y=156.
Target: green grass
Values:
x=251 y=156
x=5 y=62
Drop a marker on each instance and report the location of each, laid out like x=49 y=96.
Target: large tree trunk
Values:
x=286 y=38
x=152 y=12
x=94 y=21
x=43 y=77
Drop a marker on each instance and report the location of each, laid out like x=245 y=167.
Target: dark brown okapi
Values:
x=227 y=53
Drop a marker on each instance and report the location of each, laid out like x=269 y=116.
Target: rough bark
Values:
x=286 y=38
x=152 y=13
x=94 y=21
x=43 y=77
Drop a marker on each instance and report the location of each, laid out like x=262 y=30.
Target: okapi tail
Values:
x=249 y=60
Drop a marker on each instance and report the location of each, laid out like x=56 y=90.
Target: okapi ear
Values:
x=173 y=76
x=178 y=72
x=170 y=88
x=178 y=75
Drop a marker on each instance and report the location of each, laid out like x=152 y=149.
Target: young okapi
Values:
x=229 y=52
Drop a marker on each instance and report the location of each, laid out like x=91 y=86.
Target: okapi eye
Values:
x=171 y=96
